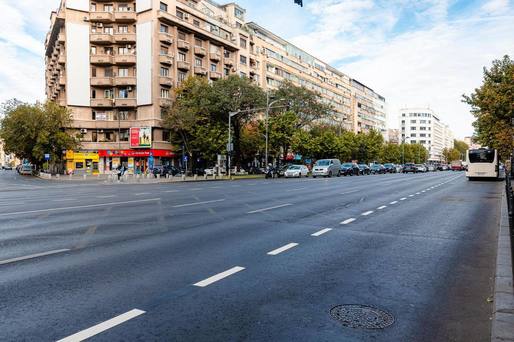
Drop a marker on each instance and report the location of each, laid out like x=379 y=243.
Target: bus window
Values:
x=481 y=156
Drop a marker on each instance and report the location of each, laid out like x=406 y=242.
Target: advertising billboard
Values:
x=140 y=137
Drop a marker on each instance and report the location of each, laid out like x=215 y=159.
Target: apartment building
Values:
x=115 y=63
x=424 y=126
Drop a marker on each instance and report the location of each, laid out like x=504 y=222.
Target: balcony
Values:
x=103 y=17
x=125 y=17
x=165 y=38
x=183 y=65
x=125 y=102
x=102 y=81
x=61 y=59
x=200 y=51
x=102 y=38
x=214 y=56
x=101 y=59
x=165 y=81
x=101 y=103
x=229 y=61
x=214 y=75
x=166 y=59
x=125 y=59
x=200 y=70
x=125 y=37
x=183 y=45
x=163 y=102
x=124 y=81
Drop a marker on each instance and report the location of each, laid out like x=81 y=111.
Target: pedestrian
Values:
x=119 y=171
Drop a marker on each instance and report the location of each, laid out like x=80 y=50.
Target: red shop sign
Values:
x=134 y=137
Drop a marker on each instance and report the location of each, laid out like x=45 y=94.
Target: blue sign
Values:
x=308 y=161
x=298 y=156
x=150 y=162
x=47 y=156
x=185 y=158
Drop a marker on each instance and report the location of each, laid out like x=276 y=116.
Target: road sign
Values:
x=185 y=158
x=47 y=156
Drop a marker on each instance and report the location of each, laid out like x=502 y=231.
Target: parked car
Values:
x=6 y=167
x=327 y=168
x=409 y=167
x=350 y=169
x=431 y=168
x=297 y=171
x=421 y=168
x=378 y=169
x=281 y=170
x=364 y=169
x=26 y=169
x=390 y=168
x=164 y=170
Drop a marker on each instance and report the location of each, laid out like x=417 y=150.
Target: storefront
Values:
x=82 y=163
x=135 y=161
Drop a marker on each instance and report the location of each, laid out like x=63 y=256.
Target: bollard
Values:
x=71 y=176
x=158 y=176
x=205 y=176
x=214 y=176
x=85 y=176
x=195 y=177
x=58 y=176
x=183 y=177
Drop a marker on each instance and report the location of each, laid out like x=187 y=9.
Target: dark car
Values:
x=7 y=167
x=164 y=170
x=364 y=169
x=390 y=168
x=350 y=169
x=378 y=169
x=281 y=170
x=254 y=170
x=410 y=167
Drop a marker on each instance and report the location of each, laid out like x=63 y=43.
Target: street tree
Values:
x=460 y=146
x=492 y=104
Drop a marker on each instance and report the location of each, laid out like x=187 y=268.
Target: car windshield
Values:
x=294 y=167
x=347 y=165
x=362 y=165
x=323 y=163
x=375 y=166
x=387 y=165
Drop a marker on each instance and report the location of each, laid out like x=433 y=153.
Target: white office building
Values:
x=423 y=126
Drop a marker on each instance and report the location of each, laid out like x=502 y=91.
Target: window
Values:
x=423 y=121
x=213 y=67
x=109 y=93
x=109 y=136
x=122 y=51
x=226 y=54
x=163 y=51
x=198 y=42
x=93 y=72
x=124 y=135
x=481 y=156
x=422 y=128
x=123 y=93
x=196 y=23
x=164 y=28
x=181 y=56
x=108 y=8
x=165 y=93
x=403 y=122
x=108 y=30
x=108 y=72
x=422 y=135
x=181 y=35
x=413 y=128
x=238 y=13
x=123 y=72
x=422 y=141
x=93 y=95
x=242 y=74
x=198 y=62
x=242 y=43
x=122 y=29
x=413 y=135
x=123 y=115
x=123 y=8
x=226 y=71
x=180 y=14
x=413 y=121
x=93 y=8
x=108 y=50
x=242 y=59
x=163 y=7
x=403 y=114
x=165 y=72
x=181 y=76
x=93 y=50
x=166 y=135
x=94 y=137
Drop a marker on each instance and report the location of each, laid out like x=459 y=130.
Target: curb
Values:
x=503 y=311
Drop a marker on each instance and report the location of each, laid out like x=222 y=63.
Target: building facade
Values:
x=115 y=64
x=423 y=126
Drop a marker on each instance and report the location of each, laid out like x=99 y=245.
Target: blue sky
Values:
x=414 y=53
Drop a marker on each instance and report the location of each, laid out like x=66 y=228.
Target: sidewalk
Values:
x=503 y=311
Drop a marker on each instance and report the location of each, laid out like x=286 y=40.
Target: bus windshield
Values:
x=481 y=156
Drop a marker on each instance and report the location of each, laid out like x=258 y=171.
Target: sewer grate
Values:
x=361 y=316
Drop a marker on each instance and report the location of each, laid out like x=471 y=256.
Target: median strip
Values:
x=283 y=248
x=270 y=208
x=323 y=231
x=350 y=220
x=197 y=203
x=219 y=276
x=97 y=329
x=32 y=256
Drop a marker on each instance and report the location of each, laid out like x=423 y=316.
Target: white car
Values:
x=296 y=171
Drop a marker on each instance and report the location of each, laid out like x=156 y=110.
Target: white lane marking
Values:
x=142 y=193
x=283 y=248
x=168 y=191
x=393 y=202
x=297 y=189
x=350 y=220
x=106 y=196
x=270 y=208
x=367 y=213
x=418 y=193
x=348 y=192
x=423 y=190
x=79 y=207
x=411 y=195
x=197 y=203
x=196 y=189
x=32 y=256
x=403 y=198
x=101 y=327
x=219 y=276
x=382 y=207
x=64 y=199
x=323 y=231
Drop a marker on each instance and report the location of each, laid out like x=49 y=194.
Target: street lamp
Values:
x=268 y=106
x=230 y=146
x=403 y=149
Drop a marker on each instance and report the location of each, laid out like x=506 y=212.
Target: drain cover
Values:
x=361 y=316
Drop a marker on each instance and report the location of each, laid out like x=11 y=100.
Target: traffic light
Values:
x=299 y=2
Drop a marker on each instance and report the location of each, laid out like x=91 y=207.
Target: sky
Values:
x=415 y=53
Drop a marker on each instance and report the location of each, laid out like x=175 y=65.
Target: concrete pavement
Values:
x=256 y=260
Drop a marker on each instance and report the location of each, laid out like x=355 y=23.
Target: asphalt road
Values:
x=255 y=260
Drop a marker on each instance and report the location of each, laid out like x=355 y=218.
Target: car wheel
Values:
x=313 y=176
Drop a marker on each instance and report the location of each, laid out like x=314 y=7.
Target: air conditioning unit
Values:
x=83 y=131
x=100 y=131
x=129 y=88
x=129 y=46
x=186 y=16
x=99 y=25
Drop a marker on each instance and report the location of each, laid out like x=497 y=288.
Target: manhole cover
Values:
x=361 y=316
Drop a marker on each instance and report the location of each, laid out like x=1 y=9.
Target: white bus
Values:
x=482 y=163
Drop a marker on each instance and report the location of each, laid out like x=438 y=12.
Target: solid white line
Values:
x=393 y=202
x=197 y=203
x=270 y=208
x=297 y=189
x=403 y=198
x=142 y=193
x=350 y=220
x=348 y=192
x=367 y=213
x=171 y=191
x=32 y=256
x=101 y=327
x=382 y=207
x=106 y=196
x=219 y=276
x=79 y=207
x=323 y=231
x=283 y=248
x=64 y=199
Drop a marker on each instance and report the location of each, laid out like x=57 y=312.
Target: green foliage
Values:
x=450 y=154
x=31 y=130
x=493 y=107
x=460 y=146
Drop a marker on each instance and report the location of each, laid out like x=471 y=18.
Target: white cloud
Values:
x=496 y=6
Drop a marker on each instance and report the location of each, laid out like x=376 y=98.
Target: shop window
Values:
x=166 y=135
x=79 y=165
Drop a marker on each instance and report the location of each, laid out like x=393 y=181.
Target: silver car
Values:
x=296 y=171
x=327 y=168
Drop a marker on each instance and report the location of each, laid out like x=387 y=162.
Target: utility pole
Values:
x=266 y=123
x=229 y=145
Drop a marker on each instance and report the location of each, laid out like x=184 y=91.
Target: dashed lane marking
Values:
x=348 y=221
x=321 y=232
x=403 y=198
x=382 y=207
x=367 y=213
x=32 y=256
x=283 y=248
x=270 y=208
x=219 y=276
x=197 y=203
x=393 y=202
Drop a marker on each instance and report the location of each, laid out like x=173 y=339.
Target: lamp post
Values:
x=229 y=145
x=403 y=149
x=268 y=106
